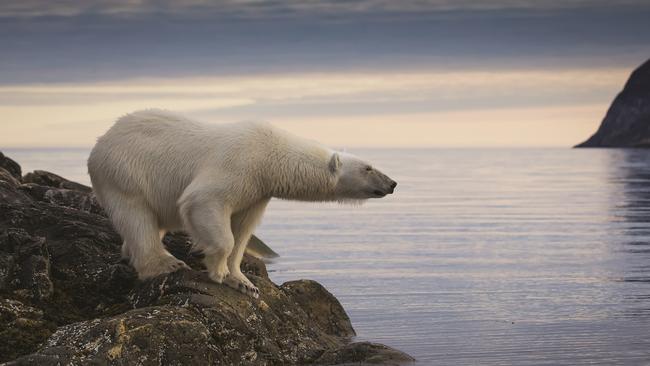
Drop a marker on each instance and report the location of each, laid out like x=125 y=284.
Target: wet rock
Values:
x=627 y=122
x=66 y=297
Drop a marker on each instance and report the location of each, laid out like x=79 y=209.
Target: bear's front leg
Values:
x=243 y=223
x=209 y=226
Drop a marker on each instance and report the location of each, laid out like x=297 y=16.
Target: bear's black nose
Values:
x=392 y=187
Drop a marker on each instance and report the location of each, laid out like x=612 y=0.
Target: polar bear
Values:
x=155 y=171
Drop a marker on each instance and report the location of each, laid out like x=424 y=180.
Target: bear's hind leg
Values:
x=243 y=224
x=138 y=226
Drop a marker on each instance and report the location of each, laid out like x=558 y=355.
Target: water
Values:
x=490 y=257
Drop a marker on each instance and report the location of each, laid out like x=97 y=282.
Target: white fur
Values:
x=154 y=172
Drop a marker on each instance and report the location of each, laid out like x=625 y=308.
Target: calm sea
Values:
x=487 y=257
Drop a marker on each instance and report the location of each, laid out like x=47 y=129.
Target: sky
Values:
x=369 y=73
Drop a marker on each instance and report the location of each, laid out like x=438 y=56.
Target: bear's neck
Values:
x=300 y=171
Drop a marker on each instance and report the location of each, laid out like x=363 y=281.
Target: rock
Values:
x=9 y=188
x=180 y=245
x=79 y=200
x=28 y=267
x=67 y=298
x=48 y=179
x=253 y=265
x=10 y=167
x=331 y=319
x=163 y=335
x=259 y=249
x=81 y=249
x=627 y=122
x=365 y=353
x=7 y=267
x=8 y=178
x=22 y=328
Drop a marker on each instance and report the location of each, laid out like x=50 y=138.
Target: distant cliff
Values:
x=627 y=122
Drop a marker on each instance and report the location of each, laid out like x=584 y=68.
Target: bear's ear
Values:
x=335 y=163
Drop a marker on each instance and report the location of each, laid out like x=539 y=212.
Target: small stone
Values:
x=263 y=306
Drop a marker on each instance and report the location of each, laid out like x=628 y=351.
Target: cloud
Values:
x=123 y=40
x=280 y=8
x=398 y=105
x=326 y=88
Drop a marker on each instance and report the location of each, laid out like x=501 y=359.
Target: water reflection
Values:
x=632 y=175
x=633 y=171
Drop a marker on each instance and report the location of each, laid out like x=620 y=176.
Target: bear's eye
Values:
x=368 y=168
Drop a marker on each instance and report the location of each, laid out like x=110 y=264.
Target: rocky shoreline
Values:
x=627 y=122
x=67 y=298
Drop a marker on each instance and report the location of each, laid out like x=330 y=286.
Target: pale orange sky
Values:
x=413 y=109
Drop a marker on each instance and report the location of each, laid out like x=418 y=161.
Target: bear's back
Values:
x=145 y=145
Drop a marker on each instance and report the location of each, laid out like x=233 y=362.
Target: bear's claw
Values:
x=179 y=265
x=165 y=264
x=242 y=284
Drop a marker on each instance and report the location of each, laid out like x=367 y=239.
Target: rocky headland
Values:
x=67 y=298
x=627 y=122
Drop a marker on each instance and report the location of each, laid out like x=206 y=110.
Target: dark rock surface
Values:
x=627 y=122
x=66 y=298
x=10 y=166
x=364 y=353
x=47 y=179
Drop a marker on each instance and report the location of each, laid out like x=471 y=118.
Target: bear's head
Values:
x=357 y=179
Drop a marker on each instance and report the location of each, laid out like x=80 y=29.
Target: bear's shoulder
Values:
x=254 y=129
